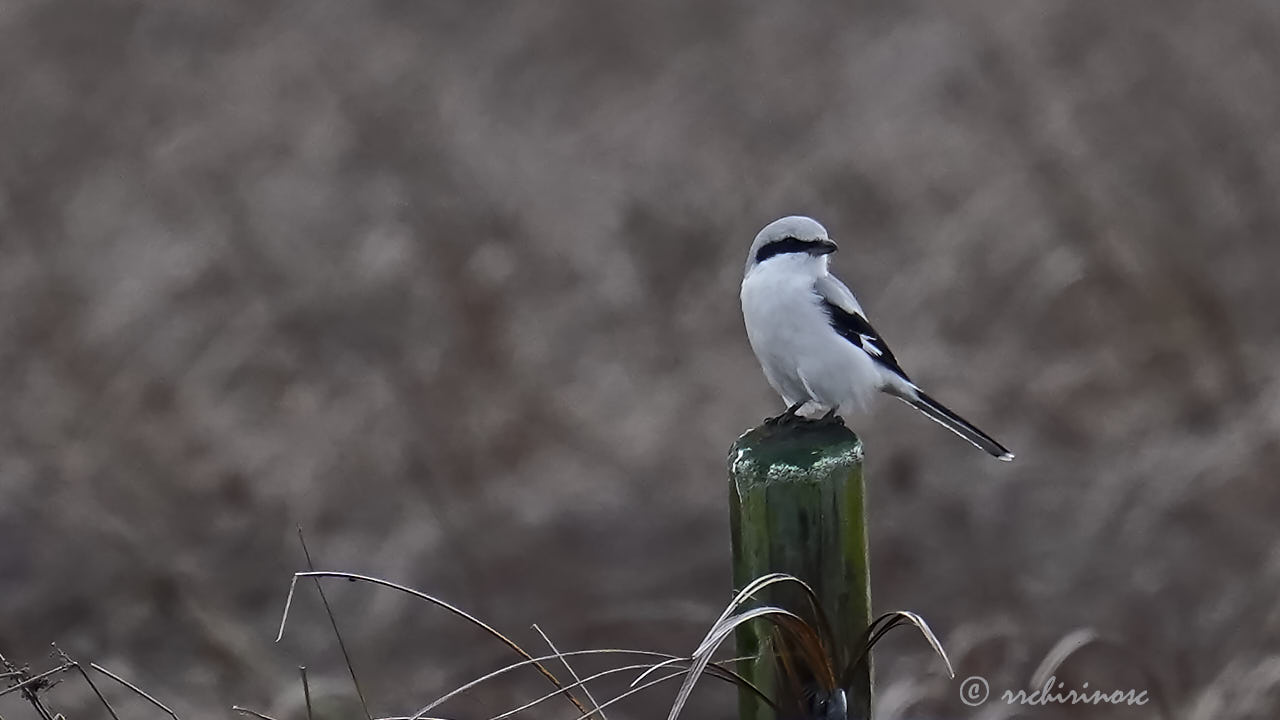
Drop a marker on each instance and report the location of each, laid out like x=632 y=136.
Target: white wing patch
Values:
x=869 y=345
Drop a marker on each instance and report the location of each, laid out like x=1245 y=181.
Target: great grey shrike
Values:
x=813 y=340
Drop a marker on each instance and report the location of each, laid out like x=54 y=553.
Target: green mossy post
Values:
x=796 y=506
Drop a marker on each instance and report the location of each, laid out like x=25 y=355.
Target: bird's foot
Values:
x=786 y=418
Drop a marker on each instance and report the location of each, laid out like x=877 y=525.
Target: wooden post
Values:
x=796 y=506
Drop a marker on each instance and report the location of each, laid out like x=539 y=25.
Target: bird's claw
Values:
x=786 y=418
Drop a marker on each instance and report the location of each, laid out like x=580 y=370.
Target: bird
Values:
x=813 y=340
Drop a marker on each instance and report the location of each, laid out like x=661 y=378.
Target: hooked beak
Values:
x=825 y=247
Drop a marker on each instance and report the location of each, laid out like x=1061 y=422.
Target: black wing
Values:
x=855 y=328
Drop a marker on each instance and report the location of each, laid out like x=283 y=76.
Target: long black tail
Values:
x=939 y=413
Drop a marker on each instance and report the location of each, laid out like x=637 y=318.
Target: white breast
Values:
x=790 y=332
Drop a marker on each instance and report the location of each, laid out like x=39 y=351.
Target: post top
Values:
x=804 y=451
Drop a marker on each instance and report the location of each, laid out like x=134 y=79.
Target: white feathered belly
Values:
x=802 y=356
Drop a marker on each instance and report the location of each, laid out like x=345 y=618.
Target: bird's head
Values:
x=795 y=240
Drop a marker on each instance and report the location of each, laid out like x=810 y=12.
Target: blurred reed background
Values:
x=454 y=286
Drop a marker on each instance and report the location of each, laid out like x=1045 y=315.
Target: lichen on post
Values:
x=796 y=499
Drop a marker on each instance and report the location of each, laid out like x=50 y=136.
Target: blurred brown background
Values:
x=454 y=286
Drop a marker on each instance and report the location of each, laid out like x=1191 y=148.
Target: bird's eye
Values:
x=789 y=244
